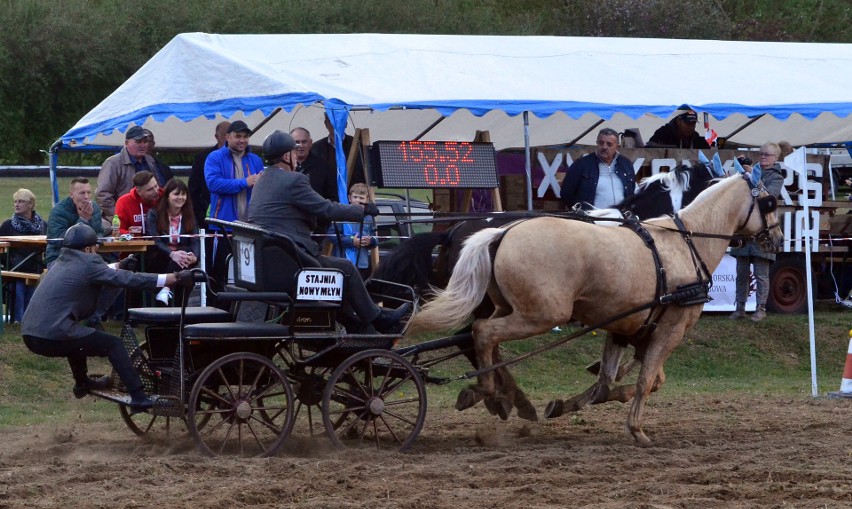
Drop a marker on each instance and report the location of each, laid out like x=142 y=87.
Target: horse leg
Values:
x=625 y=393
x=487 y=336
x=508 y=387
x=505 y=384
x=623 y=370
x=599 y=391
x=662 y=342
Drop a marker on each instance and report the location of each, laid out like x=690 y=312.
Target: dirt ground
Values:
x=708 y=452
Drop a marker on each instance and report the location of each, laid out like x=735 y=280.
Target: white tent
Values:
x=444 y=87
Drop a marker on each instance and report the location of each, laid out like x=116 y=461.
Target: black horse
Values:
x=411 y=263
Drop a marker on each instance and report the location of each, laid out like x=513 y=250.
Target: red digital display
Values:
x=435 y=164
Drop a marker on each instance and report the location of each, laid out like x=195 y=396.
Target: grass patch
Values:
x=718 y=356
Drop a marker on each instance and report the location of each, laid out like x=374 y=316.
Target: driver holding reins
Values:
x=284 y=202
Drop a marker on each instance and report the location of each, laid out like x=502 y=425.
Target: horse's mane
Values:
x=677 y=179
x=709 y=208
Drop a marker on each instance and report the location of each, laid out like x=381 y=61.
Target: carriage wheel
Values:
x=241 y=404
x=375 y=398
x=145 y=423
x=308 y=384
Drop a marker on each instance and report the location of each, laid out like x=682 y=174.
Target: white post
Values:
x=798 y=161
x=203 y=264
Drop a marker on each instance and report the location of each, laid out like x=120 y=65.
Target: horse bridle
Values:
x=765 y=205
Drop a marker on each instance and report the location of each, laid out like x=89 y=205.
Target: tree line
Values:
x=58 y=60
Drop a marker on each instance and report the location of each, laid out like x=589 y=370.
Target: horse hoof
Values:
x=526 y=411
x=594 y=368
x=499 y=406
x=467 y=398
x=554 y=409
x=641 y=439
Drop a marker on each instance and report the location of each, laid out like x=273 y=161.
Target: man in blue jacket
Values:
x=601 y=179
x=230 y=172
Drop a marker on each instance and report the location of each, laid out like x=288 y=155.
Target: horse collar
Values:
x=705 y=279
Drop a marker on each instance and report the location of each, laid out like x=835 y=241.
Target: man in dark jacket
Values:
x=67 y=294
x=198 y=190
x=284 y=202
x=679 y=132
x=325 y=149
x=77 y=208
x=601 y=179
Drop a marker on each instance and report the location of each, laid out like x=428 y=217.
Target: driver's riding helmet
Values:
x=276 y=145
x=80 y=236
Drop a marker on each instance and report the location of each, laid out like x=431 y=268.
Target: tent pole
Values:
x=527 y=159
x=53 y=160
x=740 y=128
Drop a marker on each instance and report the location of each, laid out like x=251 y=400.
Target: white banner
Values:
x=724 y=290
x=320 y=284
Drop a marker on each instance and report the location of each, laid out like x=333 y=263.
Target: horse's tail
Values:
x=410 y=263
x=454 y=306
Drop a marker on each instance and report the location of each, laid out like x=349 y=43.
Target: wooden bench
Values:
x=29 y=277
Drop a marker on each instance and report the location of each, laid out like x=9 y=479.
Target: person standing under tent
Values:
x=116 y=175
x=752 y=253
x=198 y=191
x=231 y=172
x=601 y=179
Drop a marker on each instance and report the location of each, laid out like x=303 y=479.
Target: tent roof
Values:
x=477 y=82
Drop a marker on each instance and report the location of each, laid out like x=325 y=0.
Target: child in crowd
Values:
x=352 y=239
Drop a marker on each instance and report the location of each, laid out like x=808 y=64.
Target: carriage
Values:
x=239 y=379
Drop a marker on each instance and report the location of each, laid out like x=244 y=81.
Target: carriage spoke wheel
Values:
x=146 y=424
x=375 y=398
x=308 y=383
x=241 y=404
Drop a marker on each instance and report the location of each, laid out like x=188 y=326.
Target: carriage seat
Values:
x=171 y=315
x=235 y=330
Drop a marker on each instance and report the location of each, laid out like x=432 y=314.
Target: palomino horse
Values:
x=411 y=262
x=606 y=276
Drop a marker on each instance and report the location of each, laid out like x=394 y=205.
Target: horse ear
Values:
x=755 y=175
x=717 y=165
x=702 y=158
x=738 y=167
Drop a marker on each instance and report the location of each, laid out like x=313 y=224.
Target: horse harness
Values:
x=685 y=295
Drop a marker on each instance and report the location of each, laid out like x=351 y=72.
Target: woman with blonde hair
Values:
x=25 y=221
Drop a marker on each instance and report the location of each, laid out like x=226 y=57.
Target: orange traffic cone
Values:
x=846 y=384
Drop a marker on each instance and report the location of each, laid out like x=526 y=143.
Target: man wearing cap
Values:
x=679 y=132
x=161 y=170
x=230 y=173
x=116 y=175
x=66 y=295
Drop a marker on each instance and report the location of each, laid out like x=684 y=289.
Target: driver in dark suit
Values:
x=67 y=294
x=284 y=202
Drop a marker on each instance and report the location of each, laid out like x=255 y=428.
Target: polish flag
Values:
x=709 y=134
